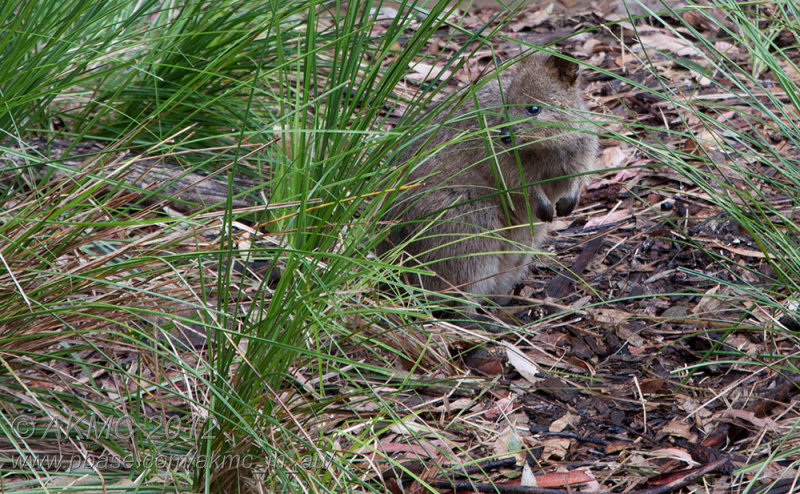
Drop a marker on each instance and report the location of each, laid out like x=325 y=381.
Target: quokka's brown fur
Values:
x=469 y=220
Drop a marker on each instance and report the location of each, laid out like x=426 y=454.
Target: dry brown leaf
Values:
x=612 y=217
x=665 y=42
x=672 y=454
x=609 y=317
x=621 y=176
x=500 y=408
x=741 y=252
x=635 y=341
x=678 y=428
x=556 y=448
x=455 y=405
x=508 y=441
x=530 y=20
x=561 y=479
x=618 y=446
x=613 y=157
x=522 y=364
x=790 y=69
x=528 y=478
x=567 y=420
x=748 y=416
x=692 y=406
x=423 y=72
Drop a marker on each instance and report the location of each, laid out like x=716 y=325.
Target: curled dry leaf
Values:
x=522 y=364
x=672 y=454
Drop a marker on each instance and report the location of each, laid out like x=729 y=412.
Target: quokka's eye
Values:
x=533 y=110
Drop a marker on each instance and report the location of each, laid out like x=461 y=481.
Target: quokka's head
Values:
x=543 y=104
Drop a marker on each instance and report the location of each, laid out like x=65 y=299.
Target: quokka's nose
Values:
x=506 y=133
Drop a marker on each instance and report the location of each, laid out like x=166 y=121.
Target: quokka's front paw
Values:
x=543 y=208
x=567 y=203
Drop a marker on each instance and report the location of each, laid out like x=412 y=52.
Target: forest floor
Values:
x=634 y=361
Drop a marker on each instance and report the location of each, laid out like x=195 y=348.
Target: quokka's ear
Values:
x=565 y=70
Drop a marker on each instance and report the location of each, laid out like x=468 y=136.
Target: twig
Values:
x=485 y=466
x=572 y=435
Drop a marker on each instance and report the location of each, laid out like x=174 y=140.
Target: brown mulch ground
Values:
x=625 y=396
